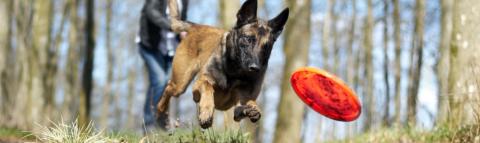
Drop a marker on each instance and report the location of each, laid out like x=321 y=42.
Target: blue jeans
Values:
x=159 y=69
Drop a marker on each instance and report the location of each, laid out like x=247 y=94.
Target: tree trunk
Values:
x=351 y=39
x=22 y=116
x=326 y=35
x=464 y=49
x=111 y=62
x=398 y=63
x=416 y=63
x=70 y=106
x=228 y=12
x=336 y=39
x=87 y=81
x=6 y=34
x=443 y=66
x=296 y=47
x=50 y=73
x=368 y=70
x=42 y=29
x=386 y=68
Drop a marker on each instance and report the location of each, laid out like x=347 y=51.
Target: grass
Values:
x=15 y=134
x=72 y=133
x=443 y=134
x=198 y=136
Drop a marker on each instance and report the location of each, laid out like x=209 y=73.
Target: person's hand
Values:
x=183 y=35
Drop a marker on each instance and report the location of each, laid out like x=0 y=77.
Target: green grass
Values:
x=15 y=134
x=465 y=134
x=199 y=136
x=72 y=133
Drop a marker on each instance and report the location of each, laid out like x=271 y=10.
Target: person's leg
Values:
x=156 y=75
x=164 y=62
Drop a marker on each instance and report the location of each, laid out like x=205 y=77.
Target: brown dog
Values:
x=229 y=65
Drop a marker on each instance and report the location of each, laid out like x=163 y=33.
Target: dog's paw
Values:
x=205 y=118
x=254 y=115
x=207 y=123
x=162 y=120
x=238 y=113
x=251 y=112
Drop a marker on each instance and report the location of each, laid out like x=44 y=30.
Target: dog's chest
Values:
x=225 y=98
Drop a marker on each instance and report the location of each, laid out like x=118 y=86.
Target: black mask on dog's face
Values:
x=250 y=42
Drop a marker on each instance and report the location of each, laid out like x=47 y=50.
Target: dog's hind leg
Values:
x=183 y=71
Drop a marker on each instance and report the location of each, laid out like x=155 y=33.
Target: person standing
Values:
x=157 y=44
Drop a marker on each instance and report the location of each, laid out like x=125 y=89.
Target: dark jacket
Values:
x=154 y=22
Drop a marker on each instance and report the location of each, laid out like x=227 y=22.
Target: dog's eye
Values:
x=249 y=39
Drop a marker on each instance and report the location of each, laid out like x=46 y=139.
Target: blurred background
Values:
x=413 y=64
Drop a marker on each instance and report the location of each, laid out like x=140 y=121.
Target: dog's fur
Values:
x=229 y=65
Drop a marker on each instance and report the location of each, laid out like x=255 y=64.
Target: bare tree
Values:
x=6 y=33
x=87 y=77
x=398 y=61
x=443 y=66
x=386 y=62
x=351 y=39
x=326 y=35
x=110 y=65
x=51 y=65
x=72 y=69
x=296 y=47
x=368 y=70
x=416 y=62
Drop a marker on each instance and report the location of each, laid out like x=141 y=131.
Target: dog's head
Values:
x=250 y=42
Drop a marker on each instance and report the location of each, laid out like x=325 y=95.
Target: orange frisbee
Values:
x=326 y=94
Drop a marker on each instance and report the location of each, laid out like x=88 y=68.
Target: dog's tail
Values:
x=177 y=24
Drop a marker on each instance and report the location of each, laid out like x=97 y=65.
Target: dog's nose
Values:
x=253 y=68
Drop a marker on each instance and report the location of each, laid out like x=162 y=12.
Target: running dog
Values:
x=229 y=65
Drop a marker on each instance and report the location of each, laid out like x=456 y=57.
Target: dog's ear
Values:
x=247 y=13
x=278 y=22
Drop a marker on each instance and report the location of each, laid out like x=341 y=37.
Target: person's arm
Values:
x=156 y=12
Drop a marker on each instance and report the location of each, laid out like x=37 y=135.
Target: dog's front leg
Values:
x=248 y=108
x=204 y=91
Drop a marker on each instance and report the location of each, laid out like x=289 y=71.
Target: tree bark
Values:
x=416 y=63
x=22 y=115
x=351 y=39
x=111 y=62
x=464 y=49
x=228 y=11
x=41 y=36
x=368 y=70
x=443 y=66
x=296 y=47
x=386 y=113
x=326 y=35
x=51 y=67
x=87 y=81
x=398 y=60
x=70 y=106
x=6 y=33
